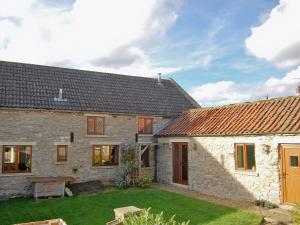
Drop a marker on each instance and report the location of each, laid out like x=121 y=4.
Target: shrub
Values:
x=265 y=204
x=297 y=215
x=143 y=182
x=128 y=167
x=122 y=179
x=147 y=218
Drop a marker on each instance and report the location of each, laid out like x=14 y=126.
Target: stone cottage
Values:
x=64 y=122
x=242 y=151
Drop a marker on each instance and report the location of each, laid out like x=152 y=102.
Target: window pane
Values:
x=9 y=156
x=114 y=155
x=96 y=160
x=62 y=153
x=145 y=125
x=184 y=162
x=250 y=152
x=148 y=126
x=90 y=125
x=176 y=163
x=24 y=164
x=145 y=156
x=105 y=161
x=141 y=126
x=294 y=161
x=9 y=159
x=240 y=156
x=99 y=125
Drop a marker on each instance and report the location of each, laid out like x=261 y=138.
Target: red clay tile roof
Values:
x=275 y=116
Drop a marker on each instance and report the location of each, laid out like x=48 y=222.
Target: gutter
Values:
x=48 y=110
x=228 y=135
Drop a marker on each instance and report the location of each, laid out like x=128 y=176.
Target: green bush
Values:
x=143 y=182
x=297 y=215
x=122 y=179
x=129 y=166
x=147 y=218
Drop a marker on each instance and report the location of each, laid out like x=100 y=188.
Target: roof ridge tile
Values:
x=279 y=116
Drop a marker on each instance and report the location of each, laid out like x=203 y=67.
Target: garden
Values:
x=98 y=208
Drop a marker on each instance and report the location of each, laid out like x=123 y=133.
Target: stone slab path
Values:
x=278 y=216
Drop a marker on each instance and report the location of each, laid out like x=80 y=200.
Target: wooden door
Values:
x=180 y=163
x=291 y=175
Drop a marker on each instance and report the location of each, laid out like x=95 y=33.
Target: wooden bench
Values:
x=49 y=186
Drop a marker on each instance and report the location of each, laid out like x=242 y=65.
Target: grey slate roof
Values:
x=35 y=86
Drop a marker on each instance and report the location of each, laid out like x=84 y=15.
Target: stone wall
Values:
x=44 y=130
x=212 y=166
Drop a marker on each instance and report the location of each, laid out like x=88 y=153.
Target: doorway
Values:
x=180 y=162
x=290 y=164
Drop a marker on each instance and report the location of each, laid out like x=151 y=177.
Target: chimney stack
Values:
x=159 y=79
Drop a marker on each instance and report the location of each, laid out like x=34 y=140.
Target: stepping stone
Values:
x=114 y=222
x=121 y=213
x=277 y=216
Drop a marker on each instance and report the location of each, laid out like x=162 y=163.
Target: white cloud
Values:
x=219 y=93
x=278 y=39
x=226 y=92
x=285 y=85
x=88 y=31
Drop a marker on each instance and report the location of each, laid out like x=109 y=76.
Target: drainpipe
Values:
x=155 y=163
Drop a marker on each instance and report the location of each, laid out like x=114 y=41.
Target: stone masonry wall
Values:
x=44 y=130
x=212 y=166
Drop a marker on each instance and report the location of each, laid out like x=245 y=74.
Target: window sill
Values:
x=96 y=135
x=247 y=173
x=61 y=163
x=16 y=174
x=105 y=167
x=145 y=135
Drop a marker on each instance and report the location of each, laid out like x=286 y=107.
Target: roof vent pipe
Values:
x=298 y=90
x=298 y=87
x=159 y=79
x=60 y=96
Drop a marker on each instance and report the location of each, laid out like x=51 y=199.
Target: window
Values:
x=105 y=155
x=16 y=159
x=145 y=157
x=145 y=125
x=245 y=157
x=95 y=125
x=62 y=153
x=294 y=161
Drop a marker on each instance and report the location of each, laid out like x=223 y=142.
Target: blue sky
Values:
x=220 y=51
x=217 y=28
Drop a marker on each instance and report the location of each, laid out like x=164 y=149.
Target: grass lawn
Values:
x=98 y=209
